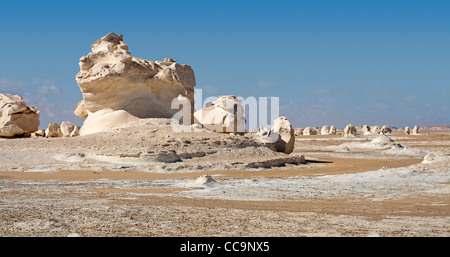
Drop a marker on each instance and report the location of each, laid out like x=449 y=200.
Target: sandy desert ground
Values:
x=222 y=185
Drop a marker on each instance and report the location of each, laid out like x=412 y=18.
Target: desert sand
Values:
x=345 y=187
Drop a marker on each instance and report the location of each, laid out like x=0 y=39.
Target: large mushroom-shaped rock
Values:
x=350 y=130
x=225 y=115
x=110 y=78
x=415 y=130
x=16 y=118
x=286 y=140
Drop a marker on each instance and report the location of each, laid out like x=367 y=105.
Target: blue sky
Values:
x=329 y=62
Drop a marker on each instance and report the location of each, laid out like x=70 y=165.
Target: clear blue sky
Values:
x=329 y=62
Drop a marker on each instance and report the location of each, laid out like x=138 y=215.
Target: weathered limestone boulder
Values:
x=16 y=118
x=365 y=128
x=375 y=129
x=385 y=129
x=332 y=130
x=69 y=129
x=80 y=110
x=53 y=130
x=225 y=115
x=110 y=78
x=309 y=131
x=298 y=131
x=325 y=130
x=415 y=130
x=407 y=130
x=286 y=140
x=350 y=130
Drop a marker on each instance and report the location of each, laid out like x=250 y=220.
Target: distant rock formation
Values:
x=225 y=115
x=309 y=131
x=350 y=130
x=375 y=129
x=407 y=130
x=110 y=78
x=325 y=130
x=365 y=128
x=16 y=118
x=385 y=129
x=298 y=131
x=332 y=130
x=415 y=130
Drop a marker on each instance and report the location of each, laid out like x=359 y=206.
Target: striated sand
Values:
x=361 y=192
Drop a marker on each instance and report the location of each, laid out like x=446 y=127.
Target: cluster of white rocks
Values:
x=351 y=130
x=16 y=118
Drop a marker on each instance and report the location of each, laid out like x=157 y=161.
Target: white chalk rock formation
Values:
x=16 y=118
x=298 y=131
x=350 y=130
x=286 y=140
x=385 y=129
x=325 y=130
x=309 y=131
x=202 y=181
x=415 y=130
x=225 y=115
x=365 y=129
x=106 y=120
x=332 y=130
x=69 y=129
x=382 y=140
x=407 y=130
x=375 y=130
x=110 y=78
x=53 y=130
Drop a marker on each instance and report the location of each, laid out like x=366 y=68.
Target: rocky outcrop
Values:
x=280 y=137
x=69 y=129
x=332 y=130
x=286 y=140
x=415 y=130
x=375 y=129
x=53 y=130
x=298 y=131
x=16 y=118
x=350 y=130
x=106 y=120
x=309 y=131
x=365 y=128
x=225 y=115
x=325 y=130
x=385 y=129
x=407 y=130
x=110 y=78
